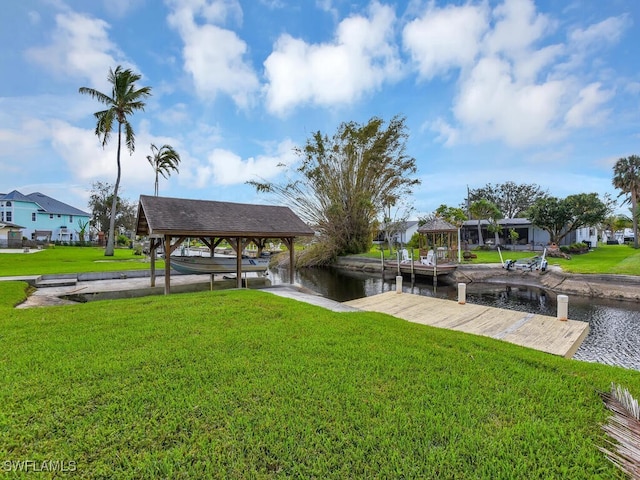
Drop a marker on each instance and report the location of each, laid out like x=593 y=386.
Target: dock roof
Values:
x=158 y=216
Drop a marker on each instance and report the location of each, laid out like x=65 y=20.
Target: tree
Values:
x=511 y=199
x=344 y=182
x=125 y=99
x=559 y=217
x=453 y=215
x=394 y=220
x=483 y=210
x=163 y=160
x=626 y=177
x=100 y=201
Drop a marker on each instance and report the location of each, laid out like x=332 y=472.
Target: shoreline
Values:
x=618 y=287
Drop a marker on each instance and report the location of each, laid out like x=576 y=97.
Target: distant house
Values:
x=528 y=234
x=42 y=218
x=407 y=230
x=10 y=235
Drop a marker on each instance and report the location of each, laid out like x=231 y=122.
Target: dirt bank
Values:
x=621 y=287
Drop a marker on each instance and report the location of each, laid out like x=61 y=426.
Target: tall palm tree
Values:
x=626 y=177
x=125 y=99
x=163 y=160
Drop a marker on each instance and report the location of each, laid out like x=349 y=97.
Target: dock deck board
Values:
x=539 y=332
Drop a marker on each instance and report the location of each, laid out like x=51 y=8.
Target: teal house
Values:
x=42 y=218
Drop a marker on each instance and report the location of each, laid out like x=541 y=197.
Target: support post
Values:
x=462 y=293
x=563 y=308
x=399 y=284
x=292 y=260
x=239 y=262
x=153 y=250
x=167 y=264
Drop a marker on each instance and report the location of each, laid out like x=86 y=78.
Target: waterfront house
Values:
x=41 y=217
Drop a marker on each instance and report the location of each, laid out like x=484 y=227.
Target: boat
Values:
x=215 y=264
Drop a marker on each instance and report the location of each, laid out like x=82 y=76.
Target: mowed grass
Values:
x=245 y=384
x=605 y=259
x=71 y=260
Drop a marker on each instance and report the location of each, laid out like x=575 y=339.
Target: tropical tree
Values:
x=511 y=199
x=626 y=177
x=484 y=210
x=124 y=100
x=100 y=201
x=559 y=217
x=343 y=183
x=163 y=160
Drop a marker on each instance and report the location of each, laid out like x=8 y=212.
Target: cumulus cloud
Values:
x=80 y=47
x=225 y=167
x=360 y=59
x=214 y=57
x=514 y=84
x=445 y=38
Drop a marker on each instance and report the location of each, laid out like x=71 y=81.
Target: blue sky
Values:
x=544 y=91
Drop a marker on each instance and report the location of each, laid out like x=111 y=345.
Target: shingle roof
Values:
x=206 y=218
x=47 y=204
x=10 y=225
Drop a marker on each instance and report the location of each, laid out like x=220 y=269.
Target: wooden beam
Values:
x=167 y=264
x=239 y=262
x=288 y=241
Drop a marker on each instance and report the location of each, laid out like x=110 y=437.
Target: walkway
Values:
x=543 y=333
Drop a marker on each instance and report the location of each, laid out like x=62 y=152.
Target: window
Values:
x=33 y=217
x=70 y=218
x=59 y=216
x=51 y=215
x=9 y=217
x=8 y=204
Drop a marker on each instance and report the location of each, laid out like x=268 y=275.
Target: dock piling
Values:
x=563 y=308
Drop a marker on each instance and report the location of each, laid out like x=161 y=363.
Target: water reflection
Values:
x=614 y=336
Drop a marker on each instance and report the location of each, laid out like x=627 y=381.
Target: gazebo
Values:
x=169 y=221
x=442 y=237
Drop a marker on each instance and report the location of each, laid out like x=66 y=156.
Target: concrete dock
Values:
x=540 y=332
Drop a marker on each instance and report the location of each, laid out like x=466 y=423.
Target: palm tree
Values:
x=163 y=160
x=626 y=177
x=483 y=209
x=125 y=99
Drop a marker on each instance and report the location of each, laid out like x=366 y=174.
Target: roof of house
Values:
x=206 y=218
x=502 y=221
x=46 y=203
x=10 y=225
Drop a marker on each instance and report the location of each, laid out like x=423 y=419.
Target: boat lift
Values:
x=525 y=264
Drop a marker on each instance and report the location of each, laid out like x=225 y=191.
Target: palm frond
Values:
x=623 y=428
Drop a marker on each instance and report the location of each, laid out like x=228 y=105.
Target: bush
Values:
x=123 y=241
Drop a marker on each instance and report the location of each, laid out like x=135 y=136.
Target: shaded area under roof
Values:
x=159 y=216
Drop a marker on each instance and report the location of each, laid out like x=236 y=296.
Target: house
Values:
x=10 y=235
x=527 y=234
x=406 y=230
x=42 y=218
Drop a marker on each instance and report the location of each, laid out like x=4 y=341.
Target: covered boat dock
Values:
x=167 y=222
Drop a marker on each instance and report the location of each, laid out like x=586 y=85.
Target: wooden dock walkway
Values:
x=539 y=332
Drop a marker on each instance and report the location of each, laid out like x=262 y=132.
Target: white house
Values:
x=41 y=217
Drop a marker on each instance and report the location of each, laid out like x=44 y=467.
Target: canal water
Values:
x=614 y=337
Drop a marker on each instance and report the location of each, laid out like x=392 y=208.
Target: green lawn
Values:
x=244 y=384
x=606 y=259
x=71 y=260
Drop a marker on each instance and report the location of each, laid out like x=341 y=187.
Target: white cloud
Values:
x=227 y=168
x=214 y=56
x=80 y=47
x=587 y=110
x=359 y=60
x=607 y=32
x=446 y=38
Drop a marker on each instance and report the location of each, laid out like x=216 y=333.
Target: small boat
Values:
x=198 y=264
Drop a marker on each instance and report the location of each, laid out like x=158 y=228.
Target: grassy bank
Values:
x=71 y=260
x=605 y=259
x=244 y=384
